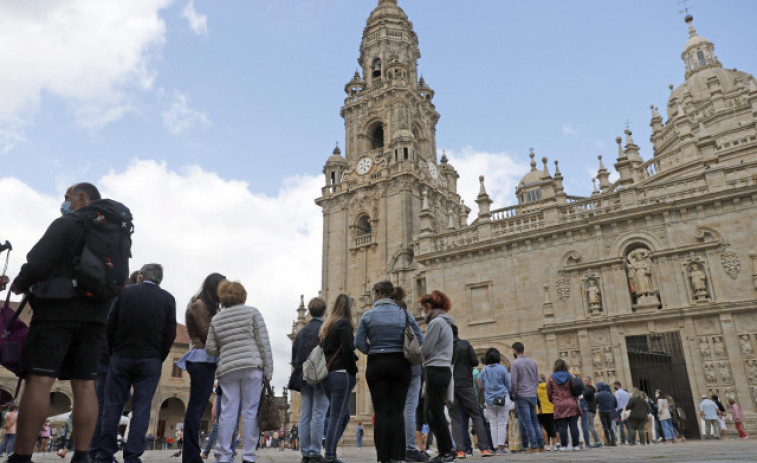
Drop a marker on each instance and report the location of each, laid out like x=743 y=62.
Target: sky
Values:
x=212 y=119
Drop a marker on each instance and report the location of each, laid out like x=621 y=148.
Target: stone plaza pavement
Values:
x=731 y=450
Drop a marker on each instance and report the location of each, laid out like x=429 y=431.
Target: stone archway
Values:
x=60 y=402
x=170 y=416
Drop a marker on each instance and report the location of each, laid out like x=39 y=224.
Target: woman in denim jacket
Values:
x=380 y=334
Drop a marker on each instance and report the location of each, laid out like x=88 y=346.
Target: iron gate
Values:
x=657 y=362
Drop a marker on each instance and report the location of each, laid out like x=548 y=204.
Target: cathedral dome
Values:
x=387 y=9
x=336 y=158
x=534 y=176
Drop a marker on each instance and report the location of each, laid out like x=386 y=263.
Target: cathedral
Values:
x=651 y=280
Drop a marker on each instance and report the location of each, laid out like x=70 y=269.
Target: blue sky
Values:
x=212 y=119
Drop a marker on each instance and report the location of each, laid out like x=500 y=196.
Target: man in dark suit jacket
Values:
x=141 y=329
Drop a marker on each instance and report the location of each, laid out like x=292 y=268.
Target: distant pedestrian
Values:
x=738 y=417
x=721 y=415
x=524 y=375
x=9 y=427
x=140 y=332
x=676 y=417
x=637 y=418
x=566 y=405
x=495 y=380
x=588 y=404
x=359 y=431
x=666 y=420
x=621 y=396
x=239 y=338
x=709 y=412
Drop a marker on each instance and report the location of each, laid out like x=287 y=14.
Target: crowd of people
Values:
x=425 y=386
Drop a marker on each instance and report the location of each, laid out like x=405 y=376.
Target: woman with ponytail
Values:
x=437 y=358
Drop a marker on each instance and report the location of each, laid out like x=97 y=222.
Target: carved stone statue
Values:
x=609 y=357
x=704 y=348
x=575 y=359
x=596 y=358
x=709 y=373
x=725 y=373
x=639 y=267
x=754 y=393
x=751 y=371
x=717 y=344
x=698 y=281
x=746 y=346
x=595 y=297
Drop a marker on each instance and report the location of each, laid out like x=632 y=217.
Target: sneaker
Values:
x=461 y=455
x=576 y=448
x=563 y=449
x=416 y=455
x=489 y=453
x=541 y=449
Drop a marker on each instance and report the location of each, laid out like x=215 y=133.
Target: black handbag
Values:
x=500 y=401
x=269 y=418
x=295 y=380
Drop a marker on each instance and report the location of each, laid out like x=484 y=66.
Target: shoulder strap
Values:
x=18 y=311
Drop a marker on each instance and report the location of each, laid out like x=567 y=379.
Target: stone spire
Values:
x=388 y=42
x=698 y=52
x=545 y=174
x=603 y=175
x=484 y=202
x=301 y=319
x=632 y=149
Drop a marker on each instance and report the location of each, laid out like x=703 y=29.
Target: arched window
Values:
x=363 y=225
x=376 y=68
x=377 y=137
x=700 y=57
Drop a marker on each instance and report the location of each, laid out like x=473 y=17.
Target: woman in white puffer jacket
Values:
x=238 y=336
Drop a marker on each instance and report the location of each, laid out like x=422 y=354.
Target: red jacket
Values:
x=565 y=404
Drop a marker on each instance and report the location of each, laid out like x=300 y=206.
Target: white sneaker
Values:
x=576 y=448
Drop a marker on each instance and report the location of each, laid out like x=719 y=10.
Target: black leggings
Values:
x=437 y=380
x=547 y=421
x=388 y=377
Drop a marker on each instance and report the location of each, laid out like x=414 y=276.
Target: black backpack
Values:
x=102 y=268
x=576 y=386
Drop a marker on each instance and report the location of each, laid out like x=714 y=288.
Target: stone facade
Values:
x=650 y=281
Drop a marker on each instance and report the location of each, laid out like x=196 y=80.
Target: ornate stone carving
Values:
x=593 y=294
x=731 y=262
x=718 y=347
x=641 y=284
x=698 y=282
x=709 y=374
x=600 y=337
x=746 y=346
x=563 y=286
x=725 y=372
x=754 y=393
x=609 y=357
x=704 y=349
x=751 y=371
x=707 y=325
x=566 y=341
x=596 y=358
x=575 y=359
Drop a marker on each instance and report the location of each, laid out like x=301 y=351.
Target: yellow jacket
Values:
x=546 y=405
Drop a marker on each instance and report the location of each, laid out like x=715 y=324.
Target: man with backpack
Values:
x=70 y=279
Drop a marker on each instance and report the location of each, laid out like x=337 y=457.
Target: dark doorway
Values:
x=657 y=362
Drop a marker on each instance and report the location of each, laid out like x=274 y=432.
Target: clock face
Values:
x=364 y=165
x=432 y=170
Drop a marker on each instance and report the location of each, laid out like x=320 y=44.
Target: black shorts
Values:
x=63 y=349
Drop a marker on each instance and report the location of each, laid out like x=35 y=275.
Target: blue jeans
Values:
x=214 y=431
x=338 y=386
x=8 y=441
x=201 y=376
x=562 y=427
x=102 y=376
x=587 y=424
x=143 y=375
x=313 y=406
x=411 y=405
x=530 y=430
x=625 y=428
x=667 y=429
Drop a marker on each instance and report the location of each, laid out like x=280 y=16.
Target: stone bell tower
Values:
x=388 y=176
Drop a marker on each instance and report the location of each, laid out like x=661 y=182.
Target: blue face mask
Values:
x=65 y=208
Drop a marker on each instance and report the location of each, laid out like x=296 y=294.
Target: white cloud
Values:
x=502 y=173
x=179 y=117
x=91 y=53
x=194 y=223
x=198 y=22
x=568 y=129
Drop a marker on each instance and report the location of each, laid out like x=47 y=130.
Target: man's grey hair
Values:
x=152 y=272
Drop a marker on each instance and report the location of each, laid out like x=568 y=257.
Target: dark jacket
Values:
x=306 y=340
x=639 y=408
x=589 y=400
x=49 y=268
x=142 y=323
x=464 y=359
x=606 y=402
x=340 y=335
